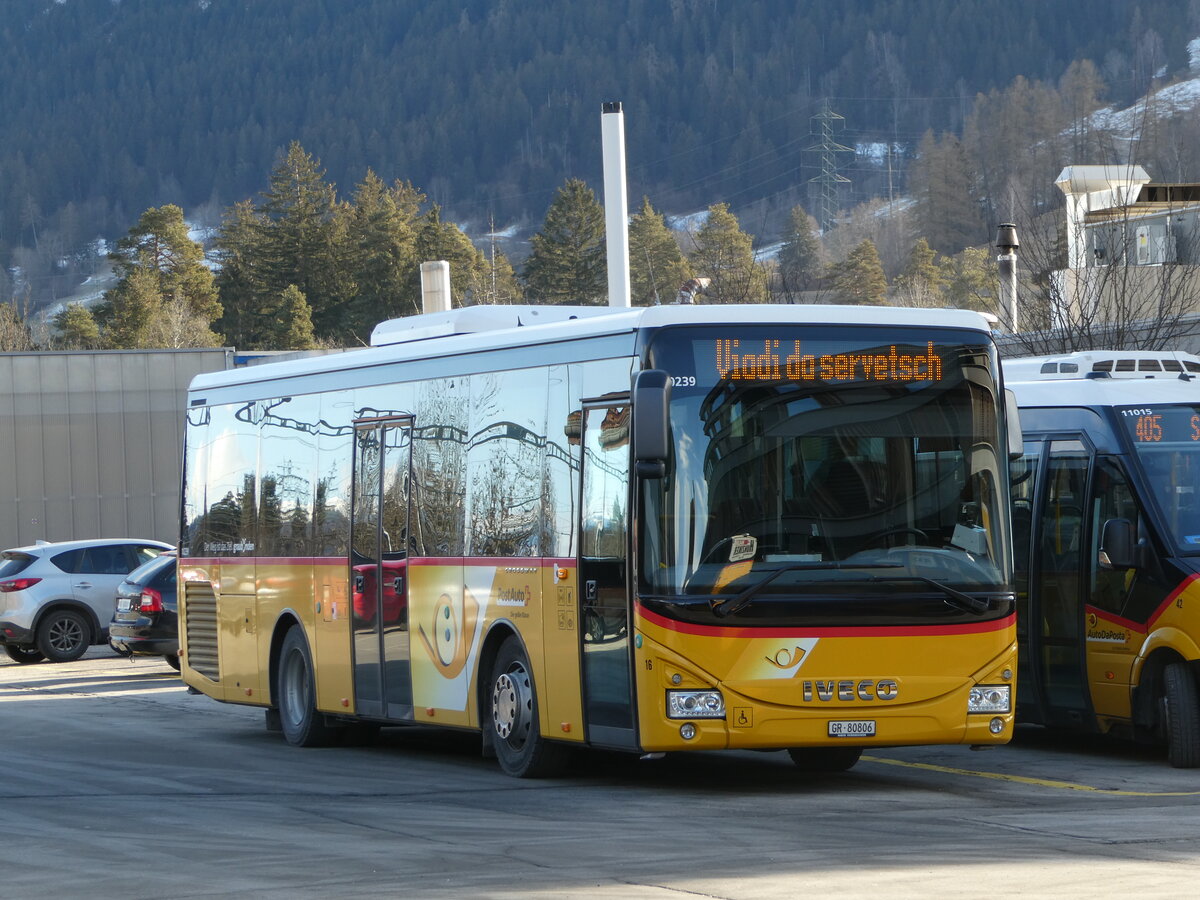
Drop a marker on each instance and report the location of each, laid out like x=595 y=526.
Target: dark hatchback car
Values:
x=146 y=621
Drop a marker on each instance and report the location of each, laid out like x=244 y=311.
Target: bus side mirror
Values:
x=1118 y=549
x=1012 y=419
x=651 y=422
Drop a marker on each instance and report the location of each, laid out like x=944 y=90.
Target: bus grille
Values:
x=201 y=625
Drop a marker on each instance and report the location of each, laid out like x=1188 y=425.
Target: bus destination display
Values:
x=778 y=360
x=1172 y=424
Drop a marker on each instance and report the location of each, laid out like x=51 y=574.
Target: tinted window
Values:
x=146 y=553
x=147 y=572
x=10 y=567
x=105 y=561
x=68 y=561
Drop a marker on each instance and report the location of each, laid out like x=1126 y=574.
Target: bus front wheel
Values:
x=513 y=718
x=295 y=692
x=1181 y=716
x=825 y=759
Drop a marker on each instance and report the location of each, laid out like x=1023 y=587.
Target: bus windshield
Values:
x=1167 y=441
x=820 y=469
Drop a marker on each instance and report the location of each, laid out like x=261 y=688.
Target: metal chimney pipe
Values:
x=435 y=286
x=1006 y=241
x=616 y=203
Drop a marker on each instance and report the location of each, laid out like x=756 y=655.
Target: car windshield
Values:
x=1166 y=440
x=831 y=488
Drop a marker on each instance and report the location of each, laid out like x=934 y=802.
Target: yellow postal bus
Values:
x=652 y=530
x=1107 y=522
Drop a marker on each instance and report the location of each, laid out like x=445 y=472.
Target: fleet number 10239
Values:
x=683 y=380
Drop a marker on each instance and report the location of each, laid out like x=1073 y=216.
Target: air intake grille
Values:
x=201 y=628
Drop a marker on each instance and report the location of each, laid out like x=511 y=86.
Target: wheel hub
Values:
x=512 y=705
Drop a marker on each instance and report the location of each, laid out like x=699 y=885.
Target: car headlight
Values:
x=990 y=698
x=695 y=705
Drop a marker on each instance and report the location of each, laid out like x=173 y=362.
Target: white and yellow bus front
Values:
x=824 y=563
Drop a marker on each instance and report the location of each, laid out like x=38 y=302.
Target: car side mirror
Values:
x=1118 y=547
x=651 y=422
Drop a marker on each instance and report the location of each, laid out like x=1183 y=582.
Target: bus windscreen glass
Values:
x=828 y=474
x=1167 y=442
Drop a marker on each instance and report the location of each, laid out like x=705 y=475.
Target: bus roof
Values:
x=1100 y=378
x=473 y=329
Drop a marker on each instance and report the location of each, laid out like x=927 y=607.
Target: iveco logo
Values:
x=865 y=689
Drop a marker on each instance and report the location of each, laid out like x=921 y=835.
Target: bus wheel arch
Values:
x=282 y=626
x=1166 y=706
x=295 y=693
x=509 y=715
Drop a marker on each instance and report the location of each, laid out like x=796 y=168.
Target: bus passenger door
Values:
x=1058 y=589
x=603 y=577
x=379 y=545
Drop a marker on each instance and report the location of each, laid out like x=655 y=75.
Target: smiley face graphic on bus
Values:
x=452 y=629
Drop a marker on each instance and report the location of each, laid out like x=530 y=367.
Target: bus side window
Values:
x=1112 y=499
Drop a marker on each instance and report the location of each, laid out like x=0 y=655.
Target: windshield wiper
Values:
x=738 y=602
x=954 y=597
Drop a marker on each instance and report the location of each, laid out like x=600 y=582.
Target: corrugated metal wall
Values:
x=91 y=442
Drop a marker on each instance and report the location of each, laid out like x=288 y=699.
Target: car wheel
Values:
x=513 y=718
x=172 y=660
x=1181 y=716
x=296 y=694
x=825 y=759
x=63 y=635
x=22 y=654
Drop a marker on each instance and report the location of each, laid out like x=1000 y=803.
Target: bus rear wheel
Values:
x=513 y=718
x=825 y=759
x=295 y=692
x=1181 y=716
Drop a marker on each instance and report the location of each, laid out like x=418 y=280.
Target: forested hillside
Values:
x=489 y=105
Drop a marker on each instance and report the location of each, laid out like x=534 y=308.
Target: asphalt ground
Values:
x=118 y=783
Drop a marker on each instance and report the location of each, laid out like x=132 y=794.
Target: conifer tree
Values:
x=724 y=254
x=859 y=279
x=77 y=328
x=158 y=262
x=381 y=242
x=923 y=280
x=294 y=321
x=800 y=262
x=246 y=320
x=297 y=242
x=656 y=264
x=568 y=262
x=438 y=240
x=130 y=309
x=973 y=280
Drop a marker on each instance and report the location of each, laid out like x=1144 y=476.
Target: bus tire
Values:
x=1181 y=716
x=296 y=694
x=512 y=721
x=825 y=759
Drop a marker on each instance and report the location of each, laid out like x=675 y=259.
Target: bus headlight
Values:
x=695 y=705
x=990 y=698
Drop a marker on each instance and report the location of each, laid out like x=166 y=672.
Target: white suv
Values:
x=57 y=599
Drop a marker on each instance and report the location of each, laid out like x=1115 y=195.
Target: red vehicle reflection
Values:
x=395 y=597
